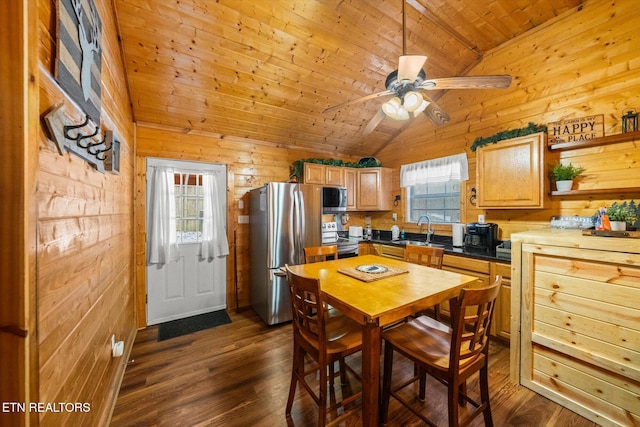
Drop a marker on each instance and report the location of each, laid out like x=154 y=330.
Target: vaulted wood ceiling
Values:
x=266 y=69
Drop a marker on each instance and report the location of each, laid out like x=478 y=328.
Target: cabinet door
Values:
x=502 y=313
x=510 y=174
x=350 y=184
x=469 y=266
x=334 y=176
x=314 y=173
x=373 y=189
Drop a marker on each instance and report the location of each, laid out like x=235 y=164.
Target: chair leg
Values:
x=484 y=396
x=330 y=367
x=452 y=403
x=298 y=365
x=386 y=382
x=423 y=383
x=322 y=396
x=462 y=392
x=436 y=312
x=343 y=371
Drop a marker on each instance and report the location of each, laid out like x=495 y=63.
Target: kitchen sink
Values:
x=420 y=243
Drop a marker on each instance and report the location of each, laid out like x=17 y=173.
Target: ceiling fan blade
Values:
x=363 y=98
x=373 y=123
x=409 y=66
x=468 y=82
x=436 y=114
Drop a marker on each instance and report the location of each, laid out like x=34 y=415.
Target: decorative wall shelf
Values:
x=598 y=191
x=605 y=140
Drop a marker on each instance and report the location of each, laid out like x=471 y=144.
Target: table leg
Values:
x=371 y=346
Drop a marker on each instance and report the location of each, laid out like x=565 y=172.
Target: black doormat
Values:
x=185 y=326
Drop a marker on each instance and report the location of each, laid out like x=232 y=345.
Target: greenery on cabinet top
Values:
x=508 y=134
x=297 y=168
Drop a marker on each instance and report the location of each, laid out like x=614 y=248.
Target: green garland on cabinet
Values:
x=297 y=168
x=508 y=134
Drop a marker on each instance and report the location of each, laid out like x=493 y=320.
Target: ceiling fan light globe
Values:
x=403 y=114
x=412 y=101
x=423 y=105
x=392 y=106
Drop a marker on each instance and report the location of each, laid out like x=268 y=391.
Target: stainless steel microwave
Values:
x=334 y=199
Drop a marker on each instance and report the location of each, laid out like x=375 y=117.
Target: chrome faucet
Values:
x=429 y=232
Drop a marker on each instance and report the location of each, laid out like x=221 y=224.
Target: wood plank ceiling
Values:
x=266 y=69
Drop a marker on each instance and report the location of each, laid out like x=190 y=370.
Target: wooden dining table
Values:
x=375 y=304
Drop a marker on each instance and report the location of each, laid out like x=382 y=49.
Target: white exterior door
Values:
x=190 y=285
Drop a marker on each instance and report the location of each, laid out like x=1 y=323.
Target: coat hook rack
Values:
x=83 y=139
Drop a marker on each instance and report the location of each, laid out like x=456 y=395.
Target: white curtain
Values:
x=214 y=235
x=163 y=247
x=443 y=169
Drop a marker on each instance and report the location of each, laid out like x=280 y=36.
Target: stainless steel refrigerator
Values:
x=284 y=219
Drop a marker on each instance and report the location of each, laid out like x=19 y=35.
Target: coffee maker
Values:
x=481 y=237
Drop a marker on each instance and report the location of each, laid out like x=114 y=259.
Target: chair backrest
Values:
x=471 y=316
x=319 y=253
x=425 y=255
x=307 y=307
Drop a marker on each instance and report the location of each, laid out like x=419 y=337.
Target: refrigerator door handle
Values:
x=293 y=227
x=299 y=232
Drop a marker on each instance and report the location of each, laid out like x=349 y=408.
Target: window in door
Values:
x=189 y=207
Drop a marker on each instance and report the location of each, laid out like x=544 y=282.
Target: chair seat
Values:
x=343 y=334
x=424 y=339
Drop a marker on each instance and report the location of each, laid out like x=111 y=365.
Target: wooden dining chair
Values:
x=319 y=253
x=429 y=256
x=325 y=338
x=449 y=354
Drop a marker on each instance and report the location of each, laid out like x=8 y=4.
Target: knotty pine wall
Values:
x=250 y=164
x=581 y=64
x=84 y=274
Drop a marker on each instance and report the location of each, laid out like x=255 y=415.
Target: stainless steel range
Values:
x=346 y=247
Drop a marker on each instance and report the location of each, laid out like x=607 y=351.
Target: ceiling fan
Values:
x=407 y=83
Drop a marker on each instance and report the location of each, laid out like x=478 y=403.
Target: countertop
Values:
x=384 y=237
x=560 y=237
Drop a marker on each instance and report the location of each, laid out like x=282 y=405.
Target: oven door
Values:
x=347 y=248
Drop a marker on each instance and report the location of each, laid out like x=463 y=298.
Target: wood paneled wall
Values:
x=84 y=275
x=19 y=78
x=578 y=65
x=250 y=164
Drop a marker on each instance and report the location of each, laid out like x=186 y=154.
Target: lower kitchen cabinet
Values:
x=501 y=326
x=576 y=331
x=389 y=251
x=469 y=266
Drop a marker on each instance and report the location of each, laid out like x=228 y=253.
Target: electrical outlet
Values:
x=394 y=216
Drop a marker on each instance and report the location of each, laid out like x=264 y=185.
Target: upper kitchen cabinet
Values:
x=373 y=189
x=322 y=174
x=350 y=177
x=510 y=174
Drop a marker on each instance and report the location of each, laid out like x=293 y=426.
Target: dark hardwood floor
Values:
x=238 y=375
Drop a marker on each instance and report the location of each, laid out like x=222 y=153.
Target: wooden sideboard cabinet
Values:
x=510 y=174
x=577 y=317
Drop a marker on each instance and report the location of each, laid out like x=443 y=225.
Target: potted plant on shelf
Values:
x=564 y=175
x=622 y=215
